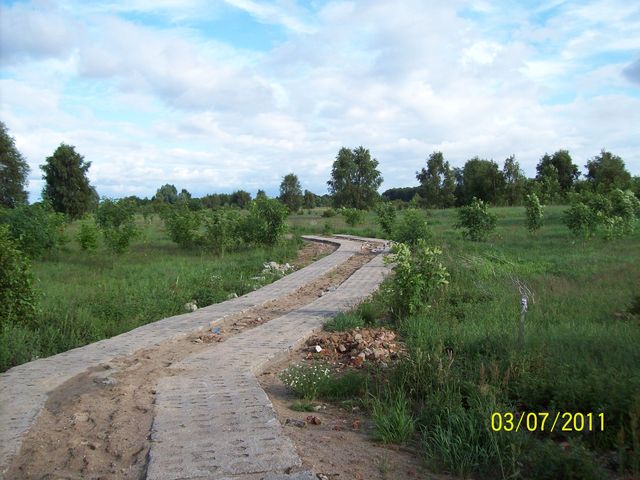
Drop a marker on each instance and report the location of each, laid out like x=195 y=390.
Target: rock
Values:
x=295 y=423
x=317 y=348
x=232 y=295
x=357 y=337
x=342 y=348
x=313 y=420
x=191 y=306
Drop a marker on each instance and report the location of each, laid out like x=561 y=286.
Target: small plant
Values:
x=412 y=228
x=327 y=229
x=116 y=219
x=418 y=279
x=88 y=235
x=36 y=229
x=392 y=417
x=386 y=217
x=476 y=220
x=221 y=230
x=305 y=380
x=534 y=211
x=328 y=213
x=352 y=216
x=17 y=295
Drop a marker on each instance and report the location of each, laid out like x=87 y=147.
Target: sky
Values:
x=215 y=96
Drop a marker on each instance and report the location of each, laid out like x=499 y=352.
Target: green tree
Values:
x=534 y=212
x=482 y=179
x=355 y=179
x=437 y=182
x=116 y=219
x=240 y=198
x=566 y=172
x=476 y=220
x=166 y=194
x=607 y=172
x=309 y=200
x=514 y=181
x=13 y=171
x=291 y=192
x=18 y=299
x=261 y=194
x=67 y=187
x=548 y=184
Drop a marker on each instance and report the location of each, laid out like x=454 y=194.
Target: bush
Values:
x=352 y=216
x=580 y=219
x=182 y=225
x=87 y=235
x=266 y=222
x=386 y=217
x=221 y=230
x=116 y=219
x=343 y=322
x=624 y=206
x=418 y=279
x=476 y=220
x=35 y=228
x=412 y=228
x=534 y=211
x=328 y=213
x=17 y=295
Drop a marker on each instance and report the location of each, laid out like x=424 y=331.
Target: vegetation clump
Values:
x=476 y=220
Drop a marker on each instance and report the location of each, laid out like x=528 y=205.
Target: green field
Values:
x=580 y=353
x=85 y=297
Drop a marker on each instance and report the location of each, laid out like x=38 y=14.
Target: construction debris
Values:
x=353 y=348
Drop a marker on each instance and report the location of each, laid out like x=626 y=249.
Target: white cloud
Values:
x=150 y=105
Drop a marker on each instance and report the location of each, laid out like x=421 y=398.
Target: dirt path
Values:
x=98 y=423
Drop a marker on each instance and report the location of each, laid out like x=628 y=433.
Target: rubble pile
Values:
x=355 y=347
x=276 y=268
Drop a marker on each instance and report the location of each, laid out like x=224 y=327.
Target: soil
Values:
x=336 y=440
x=97 y=424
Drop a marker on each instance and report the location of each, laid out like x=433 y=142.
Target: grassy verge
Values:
x=464 y=363
x=85 y=297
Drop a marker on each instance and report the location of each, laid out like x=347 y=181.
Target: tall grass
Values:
x=580 y=350
x=85 y=297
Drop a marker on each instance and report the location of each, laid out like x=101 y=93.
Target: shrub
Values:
x=266 y=222
x=182 y=225
x=476 y=220
x=418 y=279
x=352 y=216
x=87 y=235
x=305 y=380
x=581 y=220
x=412 y=228
x=17 y=295
x=534 y=211
x=35 y=228
x=116 y=219
x=386 y=217
x=624 y=205
x=221 y=230
x=328 y=213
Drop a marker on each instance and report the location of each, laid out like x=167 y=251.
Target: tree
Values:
x=437 y=182
x=354 y=179
x=166 y=194
x=261 y=194
x=566 y=171
x=309 y=200
x=240 y=198
x=607 y=172
x=67 y=187
x=13 y=171
x=482 y=179
x=291 y=192
x=514 y=181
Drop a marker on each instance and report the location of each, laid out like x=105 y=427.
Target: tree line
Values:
x=354 y=182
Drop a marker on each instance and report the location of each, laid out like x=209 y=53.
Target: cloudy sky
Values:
x=214 y=96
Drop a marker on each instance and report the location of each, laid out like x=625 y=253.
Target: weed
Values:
x=392 y=417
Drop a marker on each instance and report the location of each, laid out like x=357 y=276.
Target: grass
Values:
x=85 y=297
x=580 y=350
